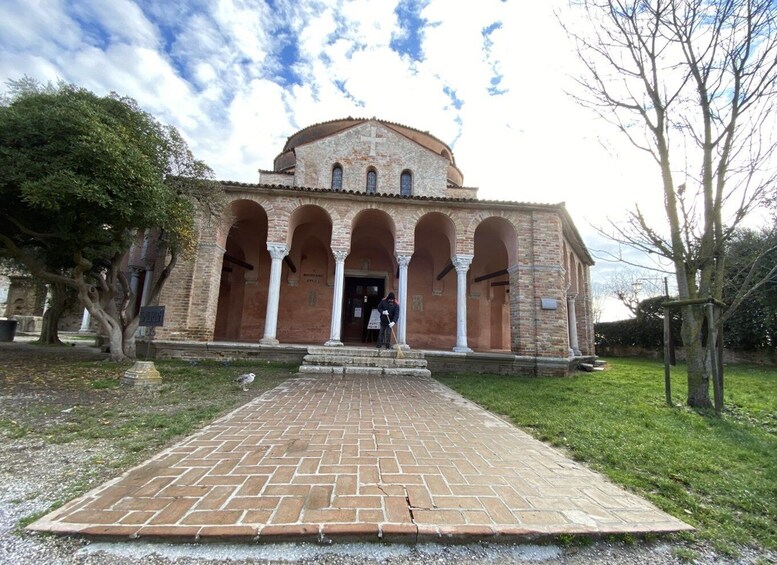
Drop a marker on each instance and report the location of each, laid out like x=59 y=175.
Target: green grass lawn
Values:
x=718 y=474
x=56 y=400
x=85 y=400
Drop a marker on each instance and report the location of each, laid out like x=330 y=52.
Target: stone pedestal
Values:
x=142 y=373
x=29 y=324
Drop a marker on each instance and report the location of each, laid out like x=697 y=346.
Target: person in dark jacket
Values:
x=389 y=313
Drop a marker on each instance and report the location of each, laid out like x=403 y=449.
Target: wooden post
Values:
x=667 y=370
x=672 y=358
x=719 y=357
x=712 y=349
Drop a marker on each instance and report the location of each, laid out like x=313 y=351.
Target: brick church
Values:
x=356 y=208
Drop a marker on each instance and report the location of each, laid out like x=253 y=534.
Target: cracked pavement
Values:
x=358 y=457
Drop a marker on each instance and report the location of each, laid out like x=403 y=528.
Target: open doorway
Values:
x=362 y=295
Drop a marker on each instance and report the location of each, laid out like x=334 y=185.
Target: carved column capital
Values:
x=404 y=260
x=277 y=250
x=340 y=255
x=462 y=262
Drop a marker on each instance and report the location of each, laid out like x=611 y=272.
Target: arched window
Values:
x=372 y=181
x=337 y=177
x=406 y=183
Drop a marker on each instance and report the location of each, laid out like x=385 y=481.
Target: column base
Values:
x=142 y=373
x=333 y=343
x=464 y=349
x=402 y=346
x=269 y=341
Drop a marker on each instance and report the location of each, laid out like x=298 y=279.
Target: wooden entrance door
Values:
x=362 y=294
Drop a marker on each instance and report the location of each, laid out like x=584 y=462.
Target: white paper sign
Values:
x=374 y=323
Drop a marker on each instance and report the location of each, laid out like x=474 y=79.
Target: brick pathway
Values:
x=356 y=456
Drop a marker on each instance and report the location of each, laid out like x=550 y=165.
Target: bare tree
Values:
x=632 y=286
x=598 y=295
x=691 y=83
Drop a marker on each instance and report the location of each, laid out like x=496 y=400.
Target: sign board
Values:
x=374 y=323
x=152 y=316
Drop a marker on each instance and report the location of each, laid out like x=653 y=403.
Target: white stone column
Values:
x=574 y=346
x=404 y=261
x=462 y=263
x=144 y=298
x=337 y=299
x=146 y=295
x=277 y=251
x=144 y=248
x=134 y=278
x=85 y=321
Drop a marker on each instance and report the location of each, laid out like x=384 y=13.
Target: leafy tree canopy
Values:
x=80 y=176
x=752 y=254
x=80 y=173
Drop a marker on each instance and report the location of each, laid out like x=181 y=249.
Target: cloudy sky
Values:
x=237 y=77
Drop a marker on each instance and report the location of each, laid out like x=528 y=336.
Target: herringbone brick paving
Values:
x=358 y=456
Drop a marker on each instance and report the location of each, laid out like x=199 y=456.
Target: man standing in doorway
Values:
x=389 y=312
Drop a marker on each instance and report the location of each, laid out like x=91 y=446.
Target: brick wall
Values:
x=539 y=274
x=393 y=154
x=533 y=243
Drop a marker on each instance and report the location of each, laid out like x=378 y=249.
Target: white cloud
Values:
x=244 y=25
x=211 y=68
x=42 y=27
x=122 y=20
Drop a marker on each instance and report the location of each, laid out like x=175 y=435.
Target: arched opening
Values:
x=488 y=311
x=406 y=183
x=572 y=274
x=337 y=177
x=431 y=308
x=372 y=180
x=245 y=276
x=370 y=274
x=305 y=306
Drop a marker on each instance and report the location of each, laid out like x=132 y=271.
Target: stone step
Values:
x=363 y=361
x=356 y=370
x=382 y=361
x=362 y=351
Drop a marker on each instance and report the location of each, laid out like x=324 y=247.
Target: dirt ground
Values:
x=41 y=386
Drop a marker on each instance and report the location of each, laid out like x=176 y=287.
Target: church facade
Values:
x=356 y=208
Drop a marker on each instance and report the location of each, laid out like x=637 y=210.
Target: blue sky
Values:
x=237 y=77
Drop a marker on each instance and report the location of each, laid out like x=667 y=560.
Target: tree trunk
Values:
x=128 y=343
x=697 y=359
x=49 y=334
x=108 y=325
x=115 y=338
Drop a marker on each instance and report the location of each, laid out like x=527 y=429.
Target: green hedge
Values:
x=646 y=330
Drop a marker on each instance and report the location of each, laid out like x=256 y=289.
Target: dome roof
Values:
x=286 y=160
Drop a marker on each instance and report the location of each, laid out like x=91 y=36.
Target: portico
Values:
x=469 y=275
